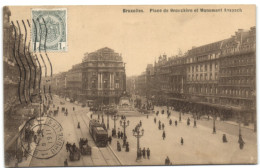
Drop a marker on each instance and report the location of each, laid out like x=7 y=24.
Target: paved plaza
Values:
x=200 y=144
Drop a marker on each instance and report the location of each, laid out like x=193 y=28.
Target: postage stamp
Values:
x=49 y=30
x=42 y=137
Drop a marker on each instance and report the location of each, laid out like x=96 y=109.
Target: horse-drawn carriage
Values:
x=74 y=153
x=56 y=112
x=85 y=149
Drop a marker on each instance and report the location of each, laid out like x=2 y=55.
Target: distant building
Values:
x=99 y=77
x=103 y=76
x=217 y=78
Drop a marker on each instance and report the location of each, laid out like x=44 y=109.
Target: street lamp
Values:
x=124 y=124
x=114 y=117
x=138 y=134
x=239 y=124
x=102 y=117
x=107 y=120
x=180 y=116
x=214 y=123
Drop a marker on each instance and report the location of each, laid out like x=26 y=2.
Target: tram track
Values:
x=101 y=150
x=113 y=160
x=77 y=136
x=108 y=147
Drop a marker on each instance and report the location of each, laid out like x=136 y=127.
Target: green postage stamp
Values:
x=49 y=30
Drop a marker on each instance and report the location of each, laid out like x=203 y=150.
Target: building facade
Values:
x=103 y=76
x=99 y=77
x=216 y=78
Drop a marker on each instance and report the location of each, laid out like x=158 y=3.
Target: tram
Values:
x=98 y=133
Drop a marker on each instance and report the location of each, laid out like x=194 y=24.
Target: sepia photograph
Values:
x=129 y=85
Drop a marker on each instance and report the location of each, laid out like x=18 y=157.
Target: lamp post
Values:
x=138 y=134
x=124 y=124
x=180 y=116
x=114 y=117
x=214 y=123
x=102 y=117
x=239 y=124
x=107 y=120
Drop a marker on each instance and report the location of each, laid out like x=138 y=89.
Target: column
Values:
x=98 y=80
x=101 y=81
x=110 y=85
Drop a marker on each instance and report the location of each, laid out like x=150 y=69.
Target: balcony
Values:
x=240 y=50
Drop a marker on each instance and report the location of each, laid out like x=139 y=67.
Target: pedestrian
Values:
x=163 y=135
x=78 y=125
x=113 y=132
x=67 y=146
x=74 y=147
x=224 y=138
x=195 y=123
x=110 y=139
x=118 y=135
x=144 y=152
x=154 y=120
x=122 y=134
x=147 y=116
x=167 y=161
x=170 y=121
x=241 y=142
x=163 y=126
x=91 y=116
x=148 y=153
x=182 y=141
x=159 y=127
x=35 y=138
x=118 y=146
x=66 y=163
x=159 y=122
x=140 y=123
x=188 y=121
x=127 y=147
x=176 y=122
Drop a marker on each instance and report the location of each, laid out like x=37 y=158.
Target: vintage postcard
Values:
x=129 y=85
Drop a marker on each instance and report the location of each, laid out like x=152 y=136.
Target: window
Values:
x=117 y=84
x=210 y=76
x=206 y=67
x=93 y=84
x=105 y=84
x=210 y=67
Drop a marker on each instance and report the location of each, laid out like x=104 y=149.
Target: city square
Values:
x=115 y=103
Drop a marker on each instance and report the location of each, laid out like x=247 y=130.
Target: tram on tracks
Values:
x=98 y=133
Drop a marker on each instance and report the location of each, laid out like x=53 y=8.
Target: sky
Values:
x=141 y=37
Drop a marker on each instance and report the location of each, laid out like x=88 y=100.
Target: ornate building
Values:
x=217 y=78
x=103 y=76
x=237 y=85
